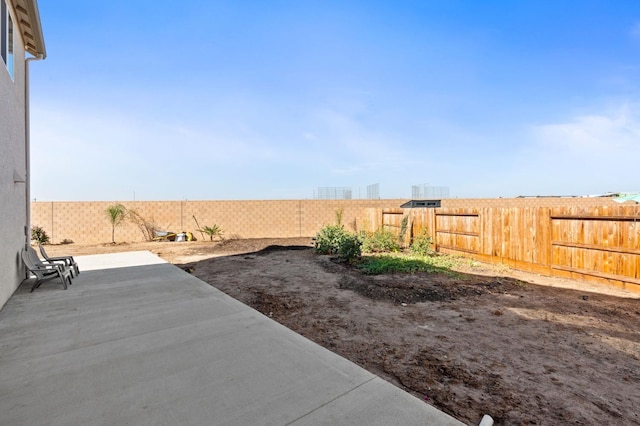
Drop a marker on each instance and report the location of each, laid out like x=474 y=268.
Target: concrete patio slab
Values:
x=138 y=341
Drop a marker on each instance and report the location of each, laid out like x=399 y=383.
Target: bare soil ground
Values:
x=522 y=348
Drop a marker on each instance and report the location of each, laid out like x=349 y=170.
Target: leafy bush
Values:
x=350 y=248
x=328 y=239
x=333 y=239
x=421 y=244
x=39 y=235
x=381 y=241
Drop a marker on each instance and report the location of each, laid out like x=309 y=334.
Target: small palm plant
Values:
x=116 y=214
x=212 y=231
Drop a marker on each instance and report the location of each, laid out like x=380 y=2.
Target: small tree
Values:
x=212 y=231
x=116 y=214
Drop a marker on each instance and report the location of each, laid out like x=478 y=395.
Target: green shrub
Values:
x=350 y=248
x=381 y=241
x=39 y=235
x=333 y=239
x=328 y=239
x=421 y=244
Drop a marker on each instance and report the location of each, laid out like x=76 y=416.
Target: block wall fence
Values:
x=87 y=223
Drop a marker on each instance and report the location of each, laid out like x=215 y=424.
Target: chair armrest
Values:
x=49 y=266
x=57 y=260
x=65 y=258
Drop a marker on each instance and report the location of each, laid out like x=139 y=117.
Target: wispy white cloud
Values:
x=634 y=32
x=586 y=154
x=356 y=139
x=98 y=153
x=617 y=133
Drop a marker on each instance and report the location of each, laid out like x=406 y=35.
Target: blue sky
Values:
x=208 y=99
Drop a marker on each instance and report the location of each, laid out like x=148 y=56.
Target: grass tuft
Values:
x=403 y=263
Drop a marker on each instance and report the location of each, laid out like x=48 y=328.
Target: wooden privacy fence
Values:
x=589 y=243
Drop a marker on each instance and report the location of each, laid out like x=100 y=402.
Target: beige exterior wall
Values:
x=12 y=159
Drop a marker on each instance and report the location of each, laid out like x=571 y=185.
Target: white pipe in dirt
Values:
x=486 y=421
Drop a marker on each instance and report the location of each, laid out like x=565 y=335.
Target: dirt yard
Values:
x=522 y=348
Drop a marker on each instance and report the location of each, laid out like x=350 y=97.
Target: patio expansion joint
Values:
x=332 y=400
x=105 y=342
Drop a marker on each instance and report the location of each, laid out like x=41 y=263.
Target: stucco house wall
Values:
x=13 y=164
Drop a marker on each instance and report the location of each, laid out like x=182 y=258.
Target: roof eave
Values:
x=30 y=26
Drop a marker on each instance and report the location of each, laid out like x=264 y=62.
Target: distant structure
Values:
x=333 y=193
x=426 y=192
x=373 y=191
